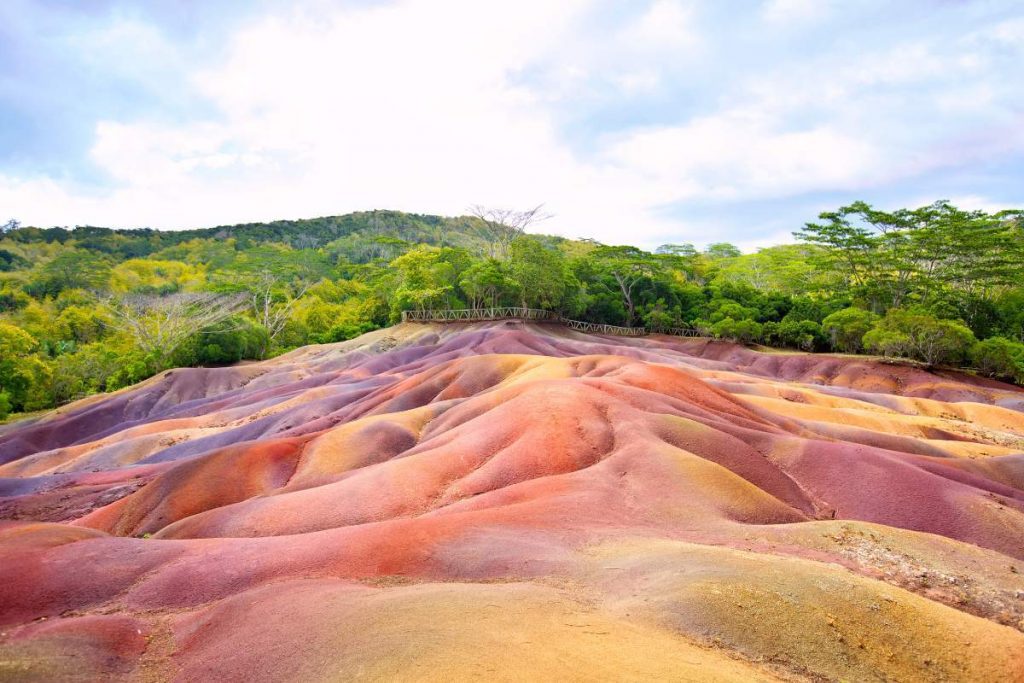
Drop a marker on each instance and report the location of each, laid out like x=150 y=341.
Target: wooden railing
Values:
x=678 y=331
x=601 y=328
x=443 y=315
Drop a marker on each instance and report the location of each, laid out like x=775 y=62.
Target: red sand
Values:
x=506 y=501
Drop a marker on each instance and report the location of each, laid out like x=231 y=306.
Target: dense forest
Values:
x=93 y=309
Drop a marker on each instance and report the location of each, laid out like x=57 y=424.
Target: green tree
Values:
x=540 y=273
x=160 y=325
x=425 y=278
x=85 y=371
x=845 y=329
x=920 y=336
x=24 y=377
x=786 y=269
x=628 y=267
x=720 y=309
x=999 y=357
x=722 y=250
x=685 y=250
x=1009 y=310
x=800 y=334
x=72 y=269
x=743 y=331
x=486 y=283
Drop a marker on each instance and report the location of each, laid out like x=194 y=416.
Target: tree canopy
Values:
x=91 y=309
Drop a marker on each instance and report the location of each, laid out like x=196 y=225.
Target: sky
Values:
x=633 y=123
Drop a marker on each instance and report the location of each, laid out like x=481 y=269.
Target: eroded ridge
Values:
x=511 y=501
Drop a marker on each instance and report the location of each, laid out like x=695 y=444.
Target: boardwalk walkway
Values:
x=452 y=315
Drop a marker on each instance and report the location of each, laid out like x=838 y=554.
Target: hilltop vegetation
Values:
x=93 y=309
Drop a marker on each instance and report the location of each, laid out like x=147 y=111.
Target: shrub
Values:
x=24 y=377
x=801 y=334
x=999 y=357
x=84 y=371
x=345 y=331
x=659 y=317
x=743 y=331
x=132 y=369
x=921 y=336
x=845 y=329
x=730 y=309
x=238 y=338
x=887 y=342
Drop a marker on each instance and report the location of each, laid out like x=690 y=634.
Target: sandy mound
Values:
x=507 y=502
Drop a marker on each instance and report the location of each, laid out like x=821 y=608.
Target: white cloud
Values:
x=666 y=23
x=793 y=12
x=641 y=81
x=430 y=106
x=744 y=154
x=401 y=107
x=973 y=202
x=397 y=107
x=1010 y=32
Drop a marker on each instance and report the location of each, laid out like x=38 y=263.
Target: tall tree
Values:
x=159 y=325
x=540 y=272
x=486 y=283
x=72 y=269
x=627 y=266
x=500 y=227
x=425 y=277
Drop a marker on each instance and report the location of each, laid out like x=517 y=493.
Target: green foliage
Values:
x=999 y=357
x=890 y=259
x=660 y=316
x=721 y=309
x=133 y=367
x=785 y=269
x=425 y=278
x=85 y=371
x=921 y=336
x=235 y=339
x=346 y=331
x=72 y=269
x=912 y=283
x=845 y=329
x=540 y=273
x=1009 y=314
x=722 y=250
x=24 y=377
x=805 y=335
x=489 y=283
x=743 y=331
x=630 y=272
x=10 y=261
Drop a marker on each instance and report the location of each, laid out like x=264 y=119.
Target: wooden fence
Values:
x=677 y=331
x=443 y=315
x=601 y=328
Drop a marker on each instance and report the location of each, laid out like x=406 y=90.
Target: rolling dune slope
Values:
x=507 y=501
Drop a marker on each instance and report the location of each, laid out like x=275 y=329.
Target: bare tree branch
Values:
x=161 y=324
x=272 y=317
x=501 y=226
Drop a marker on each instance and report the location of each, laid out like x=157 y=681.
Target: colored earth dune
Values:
x=507 y=501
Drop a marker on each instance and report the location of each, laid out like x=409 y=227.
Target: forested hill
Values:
x=93 y=309
x=359 y=236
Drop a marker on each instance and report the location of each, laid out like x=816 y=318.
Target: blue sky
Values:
x=642 y=123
